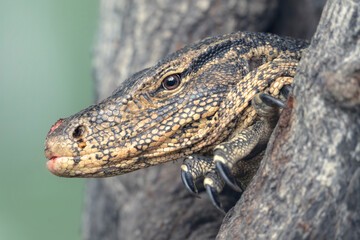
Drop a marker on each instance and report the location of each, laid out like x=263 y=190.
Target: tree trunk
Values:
x=308 y=185
x=153 y=204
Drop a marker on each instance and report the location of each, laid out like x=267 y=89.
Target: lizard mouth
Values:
x=51 y=164
x=62 y=166
x=84 y=166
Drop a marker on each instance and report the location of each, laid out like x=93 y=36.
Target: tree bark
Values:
x=308 y=185
x=153 y=204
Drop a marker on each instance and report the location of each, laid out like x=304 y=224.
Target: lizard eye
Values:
x=171 y=82
x=78 y=131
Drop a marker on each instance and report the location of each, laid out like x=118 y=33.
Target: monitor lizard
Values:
x=213 y=104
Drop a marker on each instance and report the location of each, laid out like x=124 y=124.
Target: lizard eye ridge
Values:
x=171 y=82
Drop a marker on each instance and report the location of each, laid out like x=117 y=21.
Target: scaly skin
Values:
x=144 y=123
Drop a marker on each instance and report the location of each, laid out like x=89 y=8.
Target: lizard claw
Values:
x=189 y=183
x=227 y=176
x=214 y=198
x=271 y=101
x=285 y=91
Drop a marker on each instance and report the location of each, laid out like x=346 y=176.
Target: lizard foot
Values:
x=196 y=167
x=238 y=156
x=236 y=161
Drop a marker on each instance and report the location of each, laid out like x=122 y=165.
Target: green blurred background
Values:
x=45 y=74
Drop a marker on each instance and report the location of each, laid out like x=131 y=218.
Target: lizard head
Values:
x=157 y=115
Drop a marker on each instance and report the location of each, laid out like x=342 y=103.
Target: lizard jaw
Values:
x=65 y=166
x=88 y=166
x=51 y=164
x=60 y=166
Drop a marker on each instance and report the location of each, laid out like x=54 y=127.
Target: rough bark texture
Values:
x=306 y=187
x=308 y=184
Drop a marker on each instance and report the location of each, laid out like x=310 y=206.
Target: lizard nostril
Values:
x=78 y=131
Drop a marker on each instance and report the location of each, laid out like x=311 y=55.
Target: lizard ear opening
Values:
x=255 y=62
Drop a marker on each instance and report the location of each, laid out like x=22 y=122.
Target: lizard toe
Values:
x=272 y=101
x=285 y=91
x=228 y=177
x=214 y=197
x=189 y=183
